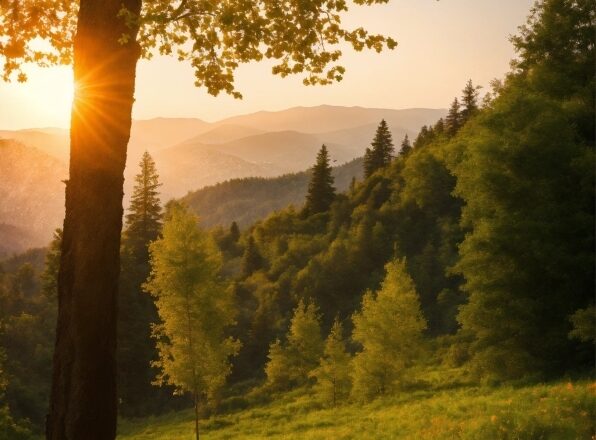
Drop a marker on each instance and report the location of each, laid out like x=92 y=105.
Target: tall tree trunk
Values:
x=83 y=402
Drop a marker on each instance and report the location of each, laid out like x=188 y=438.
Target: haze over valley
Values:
x=191 y=154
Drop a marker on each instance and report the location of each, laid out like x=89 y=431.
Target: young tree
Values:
x=333 y=373
x=292 y=363
x=136 y=349
x=195 y=309
x=277 y=366
x=252 y=260
x=381 y=151
x=406 y=147
x=321 y=192
x=104 y=41
x=453 y=120
x=389 y=327
x=305 y=344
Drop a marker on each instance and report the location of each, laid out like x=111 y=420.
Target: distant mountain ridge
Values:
x=191 y=154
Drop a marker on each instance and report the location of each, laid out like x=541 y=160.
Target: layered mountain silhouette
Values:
x=190 y=154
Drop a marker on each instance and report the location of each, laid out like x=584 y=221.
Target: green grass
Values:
x=562 y=410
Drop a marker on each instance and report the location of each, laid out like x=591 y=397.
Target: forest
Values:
x=463 y=257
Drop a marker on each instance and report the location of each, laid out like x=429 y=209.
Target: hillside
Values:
x=248 y=200
x=563 y=410
x=32 y=195
x=191 y=154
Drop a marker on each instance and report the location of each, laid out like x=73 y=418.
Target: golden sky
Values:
x=441 y=45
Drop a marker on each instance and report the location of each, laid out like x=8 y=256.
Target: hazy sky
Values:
x=441 y=45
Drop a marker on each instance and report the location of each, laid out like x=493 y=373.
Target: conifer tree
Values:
x=234 y=232
x=143 y=221
x=406 y=147
x=422 y=138
x=469 y=102
x=195 y=309
x=321 y=192
x=381 y=152
x=305 y=344
x=136 y=349
x=389 y=327
x=333 y=373
x=440 y=126
x=453 y=118
x=252 y=260
x=277 y=366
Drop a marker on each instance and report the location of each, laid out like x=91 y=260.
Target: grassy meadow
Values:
x=558 y=410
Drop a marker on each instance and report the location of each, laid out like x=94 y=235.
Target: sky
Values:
x=441 y=44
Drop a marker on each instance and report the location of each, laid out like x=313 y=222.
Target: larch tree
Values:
x=333 y=373
x=293 y=362
x=380 y=153
x=305 y=344
x=195 y=309
x=136 y=309
x=104 y=41
x=321 y=191
x=389 y=328
x=277 y=366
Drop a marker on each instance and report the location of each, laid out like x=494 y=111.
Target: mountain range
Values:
x=190 y=154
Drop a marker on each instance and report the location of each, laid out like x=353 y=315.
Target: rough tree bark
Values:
x=83 y=401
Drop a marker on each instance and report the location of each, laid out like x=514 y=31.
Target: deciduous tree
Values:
x=104 y=40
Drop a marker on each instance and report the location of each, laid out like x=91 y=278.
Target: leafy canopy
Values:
x=304 y=37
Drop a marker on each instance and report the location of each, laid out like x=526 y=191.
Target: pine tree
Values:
x=469 y=102
x=333 y=373
x=422 y=138
x=136 y=349
x=195 y=309
x=369 y=163
x=252 y=260
x=321 y=192
x=234 y=232
x=143 y=221
x=453 y=119
x=381 y=153
x=440 y=127
x=406 y=147
x=389 y=327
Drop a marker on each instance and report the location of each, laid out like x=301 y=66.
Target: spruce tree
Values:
x=333 y=373
x=321 y=192
x=234 y=232
x=252 y=260
x=469 y=102
x=453 y=118
x=389 y=328
x=136 y=349
x=143 y=221
x=381 y=152
x=406 y=147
